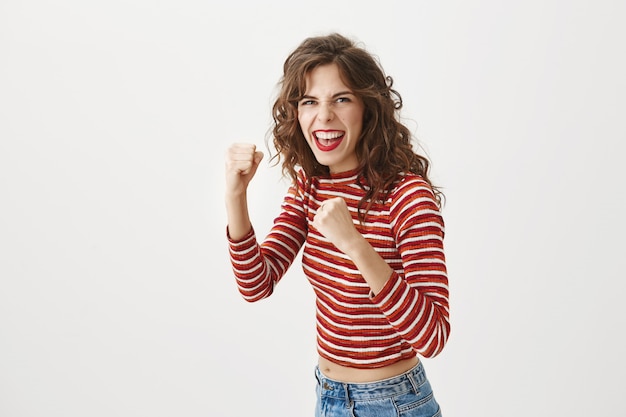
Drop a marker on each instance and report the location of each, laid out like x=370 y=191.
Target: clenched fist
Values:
x=334 y=221
x=242 y=161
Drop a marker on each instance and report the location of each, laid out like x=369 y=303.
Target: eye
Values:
x=307 y=102
x=343 y=100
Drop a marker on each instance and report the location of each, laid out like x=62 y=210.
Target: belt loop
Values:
x=347 y=392
x=414 y=383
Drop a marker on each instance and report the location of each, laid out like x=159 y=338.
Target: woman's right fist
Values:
x=242 y=161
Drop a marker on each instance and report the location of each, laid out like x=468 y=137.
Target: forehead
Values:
x=325 y=79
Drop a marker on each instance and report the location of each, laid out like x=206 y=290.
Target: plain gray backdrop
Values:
x=116 y=295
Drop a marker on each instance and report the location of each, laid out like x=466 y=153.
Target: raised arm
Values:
x=242 y=161
x=259 y=267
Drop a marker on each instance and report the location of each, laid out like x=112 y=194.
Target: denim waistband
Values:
x=408 y=381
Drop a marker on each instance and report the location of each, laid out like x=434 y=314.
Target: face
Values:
x=331 y=119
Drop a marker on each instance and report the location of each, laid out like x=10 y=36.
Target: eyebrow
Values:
x=341 y=93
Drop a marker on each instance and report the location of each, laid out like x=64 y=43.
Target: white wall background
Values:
x=116 y=297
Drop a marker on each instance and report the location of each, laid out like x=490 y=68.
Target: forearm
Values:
x=239 y=224
x=371 y=265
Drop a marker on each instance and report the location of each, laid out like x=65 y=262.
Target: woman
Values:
x=363 y=207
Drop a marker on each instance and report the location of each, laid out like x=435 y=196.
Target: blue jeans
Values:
x=406 y=395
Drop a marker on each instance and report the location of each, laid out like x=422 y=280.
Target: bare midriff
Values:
x=356 y=375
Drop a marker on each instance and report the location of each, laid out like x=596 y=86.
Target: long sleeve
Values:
x=259 y=267
x=416 y=300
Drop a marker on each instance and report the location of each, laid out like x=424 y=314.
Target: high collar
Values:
x=342 y=177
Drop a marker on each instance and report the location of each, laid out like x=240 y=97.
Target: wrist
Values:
x=235 y=197
x=358 y=248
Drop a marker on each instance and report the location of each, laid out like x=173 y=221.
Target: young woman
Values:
x=363 y=207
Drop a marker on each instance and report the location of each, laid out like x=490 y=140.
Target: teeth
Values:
x=328 y=135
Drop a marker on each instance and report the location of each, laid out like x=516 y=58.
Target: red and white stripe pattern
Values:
x=356 y=328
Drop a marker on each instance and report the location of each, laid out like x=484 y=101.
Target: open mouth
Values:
x=327 y=140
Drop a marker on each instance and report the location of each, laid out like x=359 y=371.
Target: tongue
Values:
x=328 y=144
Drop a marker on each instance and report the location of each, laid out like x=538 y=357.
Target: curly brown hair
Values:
x=384 y=149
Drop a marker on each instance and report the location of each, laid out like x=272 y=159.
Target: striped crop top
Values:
x=355 y=327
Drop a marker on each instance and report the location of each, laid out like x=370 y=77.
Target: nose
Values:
x=325 y=113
